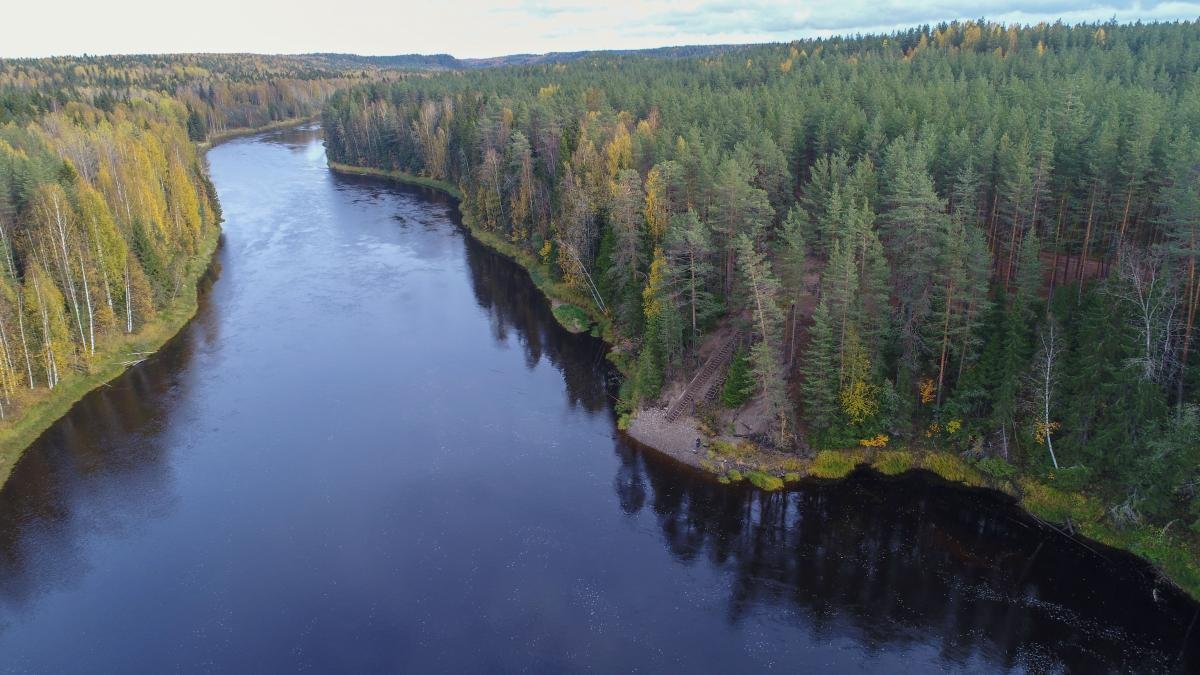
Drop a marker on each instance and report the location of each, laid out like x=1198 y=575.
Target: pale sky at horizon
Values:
x=479 y=28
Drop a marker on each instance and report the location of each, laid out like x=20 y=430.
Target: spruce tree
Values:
x=819 y=367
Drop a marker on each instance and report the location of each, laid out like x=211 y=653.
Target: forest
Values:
x=107 y=216
x=972 y=237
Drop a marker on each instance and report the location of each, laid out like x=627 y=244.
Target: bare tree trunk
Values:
x=128 y=301
x=945 y=343
x=51 y=367
x=1050 y=353
x=8 y=255
x=65 y=264
x=1125 y=215
x=1057 y=238
x=1192 y=296
x=992 y=225
x=100 y=263
x=1087 y=240
x=795 y=327
x=695 y=330
x=962 y=359
x=87 y=294
x=24 y=341
x=1012 y=251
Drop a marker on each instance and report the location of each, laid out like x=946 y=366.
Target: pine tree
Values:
x=690 y=250
x=793 y=264
x=765 y=355
x=819 y=367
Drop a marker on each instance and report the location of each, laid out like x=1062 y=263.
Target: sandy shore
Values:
x=677 y=439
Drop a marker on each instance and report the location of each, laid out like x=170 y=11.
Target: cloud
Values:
x=475 y=28
x=756 y=17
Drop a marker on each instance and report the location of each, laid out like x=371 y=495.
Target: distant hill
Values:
x=394 y=62
x=448 y=62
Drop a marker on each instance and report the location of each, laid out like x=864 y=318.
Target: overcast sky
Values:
x=483 y=28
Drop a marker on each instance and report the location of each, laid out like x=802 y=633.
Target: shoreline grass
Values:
x=241 y=132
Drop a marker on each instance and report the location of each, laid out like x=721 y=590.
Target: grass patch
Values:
x=743 y=451
x=834 y=463
x=734 y=476
x=400 y=177
x=574 y=319
x=792 y=477
x=792 y=465
x=1178 y=561
x=893 y=462
x=1057 y=506
x=953 y=468
x=764 y=481
x=1176 y=557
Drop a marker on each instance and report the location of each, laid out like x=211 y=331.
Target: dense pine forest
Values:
x=107 y=216
x=971 y=237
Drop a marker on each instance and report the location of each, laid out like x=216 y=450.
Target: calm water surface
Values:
x=375 y=450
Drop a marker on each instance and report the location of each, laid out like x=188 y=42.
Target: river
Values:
x=374 y=449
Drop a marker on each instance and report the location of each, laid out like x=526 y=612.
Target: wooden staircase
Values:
x=702 y=385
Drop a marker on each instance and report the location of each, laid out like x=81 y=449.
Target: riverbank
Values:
x=42 y=408
x=46 y=406
x=571 y=308
x=732 y=460
x=240 y=132
x=1074 y=514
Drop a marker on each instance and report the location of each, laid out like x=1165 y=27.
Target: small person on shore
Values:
x=697 y=448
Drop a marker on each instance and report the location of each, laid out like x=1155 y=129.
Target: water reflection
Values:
x=374 y=446
x=517 y=309
x=100 y=471
x=890 y=562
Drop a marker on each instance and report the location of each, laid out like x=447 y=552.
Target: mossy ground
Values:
x=572 y=318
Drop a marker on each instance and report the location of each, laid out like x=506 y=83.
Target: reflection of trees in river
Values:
x=515 y=304
x=884 y=561
x=899 y=561
x=74 y=482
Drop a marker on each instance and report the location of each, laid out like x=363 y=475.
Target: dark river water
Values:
x=374 y=449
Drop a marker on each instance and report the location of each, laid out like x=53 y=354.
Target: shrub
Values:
x=1071 y=478
x=740 y=452
x=996 y=468
x=739 y=383
x=876 y=441
x=572 y=318
x=764 y=481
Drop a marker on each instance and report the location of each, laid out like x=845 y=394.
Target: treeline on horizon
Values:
x=973 y=236
x=106 y=210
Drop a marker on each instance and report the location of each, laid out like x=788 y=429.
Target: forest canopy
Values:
x=106 y=210
x=973 y=236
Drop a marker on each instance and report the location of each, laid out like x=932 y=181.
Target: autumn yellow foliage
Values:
x=877 y=441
